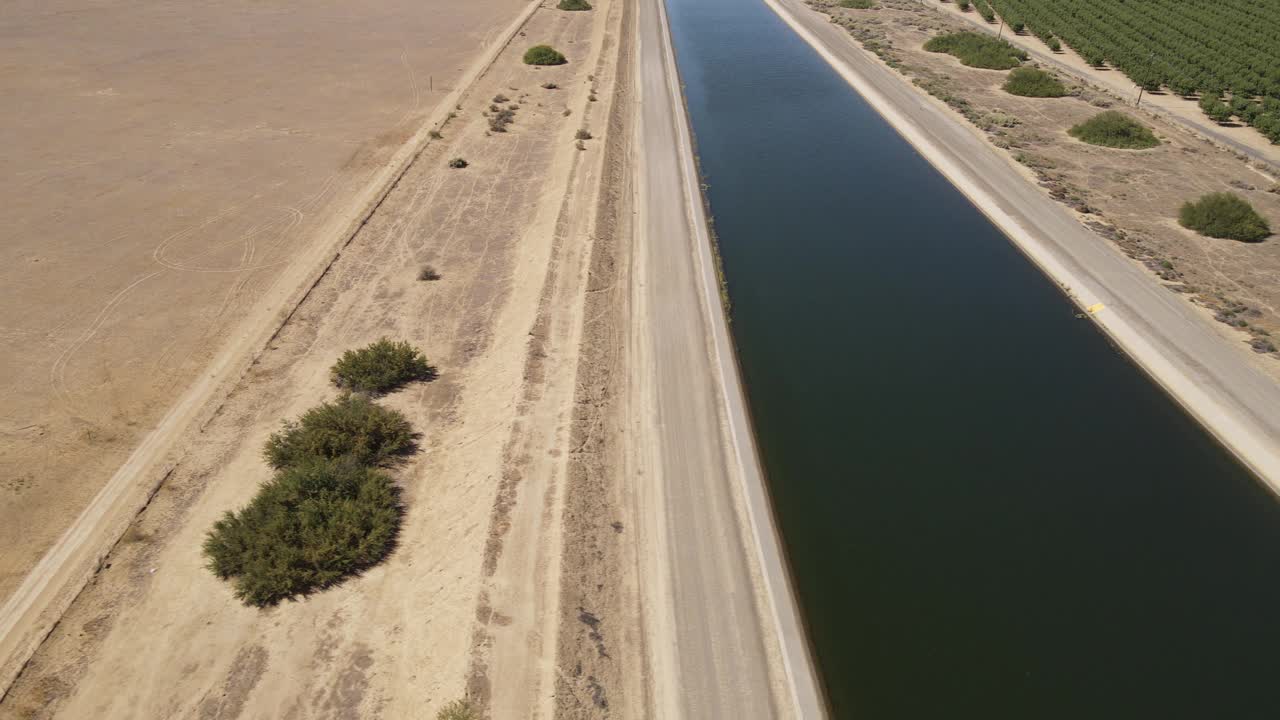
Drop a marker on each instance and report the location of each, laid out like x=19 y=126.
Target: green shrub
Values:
x=963 y=5
x=381 y=367
x=573 y=5
x=1115 y=130
x=977 y=50
x=1224 y=215
x=1054 y=44
x=352 y=425
x=1033 y=82
x=457 y=163
x=308 y=527
x=1212 y=106
x=543 y=55
x=986 y=12
x=458 y=710
x=857 y=4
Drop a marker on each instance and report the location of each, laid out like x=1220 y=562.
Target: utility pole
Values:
x=1001 y=32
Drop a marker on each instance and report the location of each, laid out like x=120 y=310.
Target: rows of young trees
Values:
x=1211 y=48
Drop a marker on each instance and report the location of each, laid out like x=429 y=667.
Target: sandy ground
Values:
x=470 y=601
x=1238 y=136
x=1219 y=382
x=166 y=166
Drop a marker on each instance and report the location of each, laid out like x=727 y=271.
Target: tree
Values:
x=1224 y=215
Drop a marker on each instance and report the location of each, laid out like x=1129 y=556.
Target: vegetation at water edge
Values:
x=977 y=50
x=543 y=55
x=1224 y=215
x=1115 y=130
x=309 y=527
x=1033 y=82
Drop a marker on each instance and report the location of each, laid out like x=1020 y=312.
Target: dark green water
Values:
x=989 y=512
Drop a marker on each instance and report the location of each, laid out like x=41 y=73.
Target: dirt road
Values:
x=156 y=635
x=725 y=634
x=1170 y=339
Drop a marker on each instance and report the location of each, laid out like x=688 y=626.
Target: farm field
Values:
x=1227 y=53
x=166 y=163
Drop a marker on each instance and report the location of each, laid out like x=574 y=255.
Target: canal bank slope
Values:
x=726 y=638
x=1166 y=337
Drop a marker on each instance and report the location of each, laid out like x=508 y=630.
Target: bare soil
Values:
x=1131 y=197
x=469 y=603
x=165 y=164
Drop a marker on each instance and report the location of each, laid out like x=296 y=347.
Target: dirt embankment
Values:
x=156 y=635
x=168 y=168
x=1130 y=197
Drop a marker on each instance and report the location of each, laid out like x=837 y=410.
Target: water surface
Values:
x=990 y=513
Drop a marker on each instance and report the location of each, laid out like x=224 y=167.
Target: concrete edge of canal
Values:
x=784 y=609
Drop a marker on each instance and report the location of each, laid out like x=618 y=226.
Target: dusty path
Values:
x=1173 y=342
x=726 y=638
x=156 y=635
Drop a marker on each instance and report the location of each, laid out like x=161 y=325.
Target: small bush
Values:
x=1033 y=82
x=1115 y=130
x=573 y=5
x=380 y=367
x=1224 y=215
x=986 y=12
x=977 y=50
x=543 y=55
x=435 y=134
x=458 y=710
x=457 y=163
x=427 y=272
x=308 y=527
x=352 y=425
x=1217 y=110
x=500 y=98
x=857 y=4
x=549 y=86
x=499 y=121
x=963 y=5
x=1054 y=44
x=583 y=134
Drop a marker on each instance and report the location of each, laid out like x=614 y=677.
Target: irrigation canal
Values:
x=990 y=513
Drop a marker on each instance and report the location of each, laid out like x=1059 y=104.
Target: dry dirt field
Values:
x=469 y=602
x=165 y=164
x=1129 y=196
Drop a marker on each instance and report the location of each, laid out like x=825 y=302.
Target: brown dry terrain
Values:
x=166 y=164
x=1129 y=196
x=470 y=601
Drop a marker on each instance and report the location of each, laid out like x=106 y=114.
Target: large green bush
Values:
x=977 y=50
x=1033 y=82
x=381 y=367
x=1115 y=130
x=352 y=425
x=309 y=527
x=543 y=55
x=573 y=5
x=1224 y=215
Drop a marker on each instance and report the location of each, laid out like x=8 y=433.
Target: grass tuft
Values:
x=977 y=50
x=380 y=367
x=1224 y=215
x=573 y=5
x=1115 y=130
x=543 y=55
x=1033 y=82
x=352 y=425
x=308 y=528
